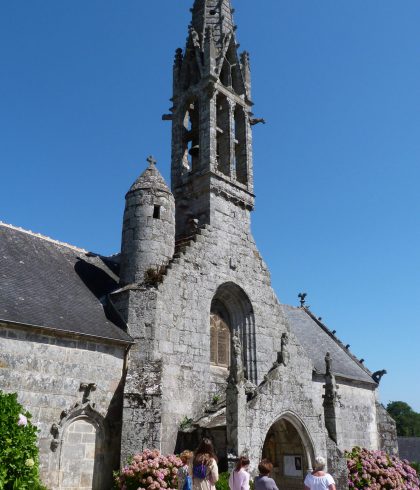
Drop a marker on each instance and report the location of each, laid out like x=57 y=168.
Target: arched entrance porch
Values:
x=288 y=446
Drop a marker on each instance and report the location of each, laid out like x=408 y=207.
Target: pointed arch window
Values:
x=219 y=341
x=241 y=150
x=223 y=134
x=231 y=311
x=191 y=136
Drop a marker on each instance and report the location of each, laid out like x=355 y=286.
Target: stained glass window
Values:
x=219 y=341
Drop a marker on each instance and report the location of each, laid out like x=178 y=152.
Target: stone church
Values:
x=180 y=335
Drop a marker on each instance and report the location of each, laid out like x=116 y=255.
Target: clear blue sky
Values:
x=83 y=84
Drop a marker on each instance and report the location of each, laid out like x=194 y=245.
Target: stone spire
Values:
x=214 y=14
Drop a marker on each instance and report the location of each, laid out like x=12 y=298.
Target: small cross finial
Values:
x=151 y=160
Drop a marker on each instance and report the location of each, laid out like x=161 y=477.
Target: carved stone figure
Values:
x=237 y=368
x=302 y=298
x=195 y=38
x=250 y=389
x=87 y=389
x=283 y=357
x=331 y=395
x=377 y=375
x=256 y=120
x=284 y=354
x=328 y=364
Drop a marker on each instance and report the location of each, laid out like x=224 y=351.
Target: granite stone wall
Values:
x=79 y=436
x=78 y=456
x=357 y=413
x=387 y=431
x=223 y=257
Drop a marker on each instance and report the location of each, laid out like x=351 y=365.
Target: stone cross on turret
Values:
x=151 y=160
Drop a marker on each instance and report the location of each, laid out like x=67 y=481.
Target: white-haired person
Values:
x=319 y=479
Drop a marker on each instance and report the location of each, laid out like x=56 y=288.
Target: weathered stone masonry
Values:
x=217 y=269
x=48 y=371
x=181 y=334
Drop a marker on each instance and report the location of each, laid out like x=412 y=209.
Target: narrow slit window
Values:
x=156 y=212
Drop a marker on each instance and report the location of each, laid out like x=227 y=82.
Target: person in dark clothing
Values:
x=263 y=481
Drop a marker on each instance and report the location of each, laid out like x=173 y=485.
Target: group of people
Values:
x=200 y=472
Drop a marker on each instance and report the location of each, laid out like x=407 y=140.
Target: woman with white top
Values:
x=239 y=478
x=319 y=479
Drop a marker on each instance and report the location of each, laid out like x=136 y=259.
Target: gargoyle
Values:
x=377 y=375
x=256 y=120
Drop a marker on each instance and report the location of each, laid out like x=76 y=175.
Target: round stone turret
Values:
x=148 y=235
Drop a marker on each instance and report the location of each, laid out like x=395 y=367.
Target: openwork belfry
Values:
x=113 y=354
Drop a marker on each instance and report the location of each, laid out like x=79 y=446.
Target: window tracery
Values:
x=219 y=341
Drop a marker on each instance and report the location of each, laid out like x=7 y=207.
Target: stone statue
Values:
x=377 y=375
x=195 y=38
x=250 y=390
x=302 y=297
x=237 y=368
x=284 y=353
x=283 y=357
x=331 y=395
x=328 y=364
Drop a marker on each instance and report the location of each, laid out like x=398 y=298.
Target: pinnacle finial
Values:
x=302 y=297
x=152 y=161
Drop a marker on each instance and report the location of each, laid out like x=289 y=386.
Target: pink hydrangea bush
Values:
x=149 y=470
x=377 y=470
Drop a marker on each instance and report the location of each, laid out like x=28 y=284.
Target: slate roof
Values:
x=53 y=285
x=317 y=340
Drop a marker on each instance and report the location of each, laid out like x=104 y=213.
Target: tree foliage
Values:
x=18 y=449
x=407 y=420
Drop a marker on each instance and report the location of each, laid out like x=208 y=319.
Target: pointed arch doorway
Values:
x=288 y=446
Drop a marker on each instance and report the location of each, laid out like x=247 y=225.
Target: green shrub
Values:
x=18 y=450
x=223 y=482
x=416 y=466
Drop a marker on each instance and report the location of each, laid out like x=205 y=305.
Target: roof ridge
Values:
x=336 y=339
x=43 y=237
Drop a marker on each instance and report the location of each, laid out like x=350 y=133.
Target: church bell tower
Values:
x=211 y=118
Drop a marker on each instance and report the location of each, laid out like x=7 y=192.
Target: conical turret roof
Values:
x=151 y=178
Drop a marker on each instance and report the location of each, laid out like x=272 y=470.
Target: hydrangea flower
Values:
x=23 y=421
x=377 y=470
x=149 y=470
